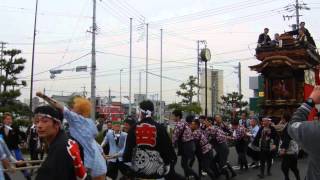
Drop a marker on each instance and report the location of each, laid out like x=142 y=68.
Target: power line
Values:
x=117 y=14
x=142 y=58
x=137 y=69
x=75 y=28
x=128 y=10
x=222 y=9
x=57 y=52
x=237 y=20
x=42 y=13
x=220 y=24
x=62 y=41
x=216 y=63
x=211 y=12
x=135 y=10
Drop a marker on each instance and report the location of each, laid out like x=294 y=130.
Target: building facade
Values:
x=214 y=90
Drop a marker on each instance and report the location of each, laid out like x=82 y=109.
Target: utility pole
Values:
x=198 y=71
x=33 y=51
x=295 y=8
x=121 y=88
x=1 y=57
x=147 y=57
x=213 y=98
x=109 y=99
x=160 y=107
x=140 y=82
x=297 y=14
x=206 y=90
x=93 y=63
x=130 y=69
x=239 y=75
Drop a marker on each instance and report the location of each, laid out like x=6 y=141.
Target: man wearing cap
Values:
x=149 y=149
x=267 y=140
x=64 y=158
x=116 y=139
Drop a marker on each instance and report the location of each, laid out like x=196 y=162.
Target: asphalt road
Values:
x=251 y=174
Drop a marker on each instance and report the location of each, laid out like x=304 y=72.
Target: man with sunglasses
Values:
x=64 y=160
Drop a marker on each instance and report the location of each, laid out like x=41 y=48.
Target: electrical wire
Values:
x=41 y=13
x=212 y=12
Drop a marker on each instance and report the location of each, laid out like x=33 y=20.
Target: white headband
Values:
x=148 y=113
x=48 y=116
x=266 y=118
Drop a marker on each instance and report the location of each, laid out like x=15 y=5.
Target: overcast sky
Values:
x=231 y=28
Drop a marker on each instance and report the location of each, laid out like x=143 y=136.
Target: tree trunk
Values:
x=4 y=83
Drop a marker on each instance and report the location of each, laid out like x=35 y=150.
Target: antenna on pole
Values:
x=295 y=9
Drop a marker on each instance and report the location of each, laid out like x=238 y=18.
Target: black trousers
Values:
x=114 y=167
x=172 y=175
x=207 y=164
x=187 y=155
x=198 y=154
x=265 y=158
x=242 y=155
x=34 y=154
x=6 y=176
x=222 y=150
x=290 y=161
x=254 y=155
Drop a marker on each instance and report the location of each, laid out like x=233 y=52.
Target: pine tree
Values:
x=232 y=105
x=187 y=92
x=11 y=65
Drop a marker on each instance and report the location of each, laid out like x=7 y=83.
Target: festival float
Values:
x=290 y=70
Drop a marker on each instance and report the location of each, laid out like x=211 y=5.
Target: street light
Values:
x=54 y=72
x=205 y=56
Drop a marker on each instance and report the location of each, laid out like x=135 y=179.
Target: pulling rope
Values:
x=21 y=168
x=24 y=168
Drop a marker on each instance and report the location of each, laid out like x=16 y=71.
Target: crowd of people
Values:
x=143 y=149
